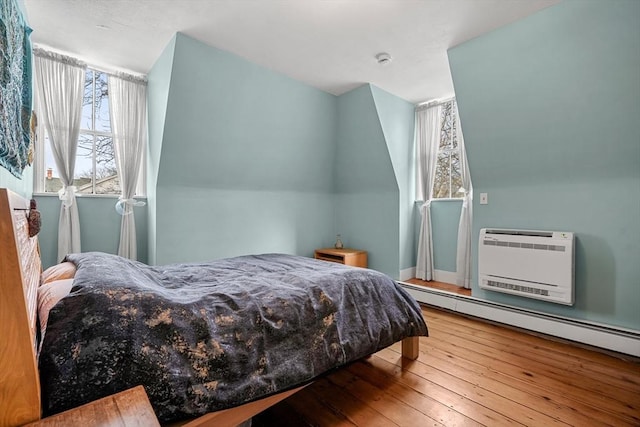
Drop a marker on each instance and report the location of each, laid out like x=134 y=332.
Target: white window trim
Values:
x=39 y=173
x=449 y=150
x=38 y=160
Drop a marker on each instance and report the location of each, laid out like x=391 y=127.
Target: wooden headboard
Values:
x=20 y=269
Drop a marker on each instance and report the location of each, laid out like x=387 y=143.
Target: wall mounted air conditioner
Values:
x=533 y=264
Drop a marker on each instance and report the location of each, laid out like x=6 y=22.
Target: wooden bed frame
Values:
x=20 y=269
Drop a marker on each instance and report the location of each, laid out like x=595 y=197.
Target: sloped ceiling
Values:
x=330 y=45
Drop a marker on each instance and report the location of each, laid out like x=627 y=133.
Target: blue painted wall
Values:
x=159 y=81
x=397 y=119
x=99 y=226
x=549 y=107
x=445 y=217
x=367 y=196
x=22 y=186
x=246 y=162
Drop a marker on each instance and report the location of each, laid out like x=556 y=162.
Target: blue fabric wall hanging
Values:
x=15 y=88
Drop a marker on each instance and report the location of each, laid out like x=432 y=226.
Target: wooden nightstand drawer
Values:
x=353 y=257
x=128 y=408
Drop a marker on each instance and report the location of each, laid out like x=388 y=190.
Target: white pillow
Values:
x=49 y=295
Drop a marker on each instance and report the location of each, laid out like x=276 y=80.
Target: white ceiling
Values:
x=328 y=44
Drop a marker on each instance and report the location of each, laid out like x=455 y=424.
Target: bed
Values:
x=229 y=337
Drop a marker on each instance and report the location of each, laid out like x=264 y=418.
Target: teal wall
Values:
x=22 y=186
x=397 y=119
x=549 y=107
x=246 y=162
x=445 y=217
x=367 y=196
x=159 y=81
x=99 y=226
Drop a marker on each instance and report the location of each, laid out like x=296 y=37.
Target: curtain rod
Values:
x=436 y=101
x=112 y=71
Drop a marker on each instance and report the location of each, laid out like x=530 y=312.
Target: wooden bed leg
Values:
x=410 y=348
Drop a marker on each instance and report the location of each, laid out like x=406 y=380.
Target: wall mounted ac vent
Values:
x=534 y=264
x=524 y=245
x=519 y=288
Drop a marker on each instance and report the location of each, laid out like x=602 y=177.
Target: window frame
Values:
x=450 y=150
x=39 y=172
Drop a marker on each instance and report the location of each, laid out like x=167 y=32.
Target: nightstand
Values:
x=128 y=408
x=353 y=257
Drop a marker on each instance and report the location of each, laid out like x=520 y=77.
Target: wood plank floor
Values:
x=441 y=286
x=472 y=373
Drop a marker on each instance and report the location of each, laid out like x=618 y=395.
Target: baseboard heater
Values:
x=610 y=337
x=533 y=264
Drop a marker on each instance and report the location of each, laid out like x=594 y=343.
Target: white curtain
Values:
x=463 y=255
x=427 y=141
x=128 y=103
x=60 y=86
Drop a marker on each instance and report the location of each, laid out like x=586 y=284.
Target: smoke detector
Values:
x=383 y=58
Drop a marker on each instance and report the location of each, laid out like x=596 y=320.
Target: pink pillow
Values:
x=64 y=270
x=49 y=295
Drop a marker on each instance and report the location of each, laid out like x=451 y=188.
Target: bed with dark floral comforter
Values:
x=204 y=337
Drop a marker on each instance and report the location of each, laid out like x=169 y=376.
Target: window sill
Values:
x=89 y=196
x=419 y=202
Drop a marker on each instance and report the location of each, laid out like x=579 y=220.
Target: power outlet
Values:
x=484 y=198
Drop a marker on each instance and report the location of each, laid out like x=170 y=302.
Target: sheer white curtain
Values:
x=60 y=86
x=463 y=255
x=128 y=103
x=427 y=141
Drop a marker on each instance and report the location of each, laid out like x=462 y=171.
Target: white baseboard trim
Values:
x=438 y=275
x=608 y=337
x=445 y=276
x=407 y=273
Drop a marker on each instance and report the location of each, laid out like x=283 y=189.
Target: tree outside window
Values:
x=448 y=179
x=95 y=170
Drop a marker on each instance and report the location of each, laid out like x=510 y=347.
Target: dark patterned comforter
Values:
x=204 y=337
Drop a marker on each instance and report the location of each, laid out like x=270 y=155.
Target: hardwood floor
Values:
x=471 y=373
x=441 y=286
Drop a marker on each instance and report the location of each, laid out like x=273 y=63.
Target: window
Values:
x=448 y=179
x=95 y=169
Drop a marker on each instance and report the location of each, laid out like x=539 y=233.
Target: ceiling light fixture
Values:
x=383 y=58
